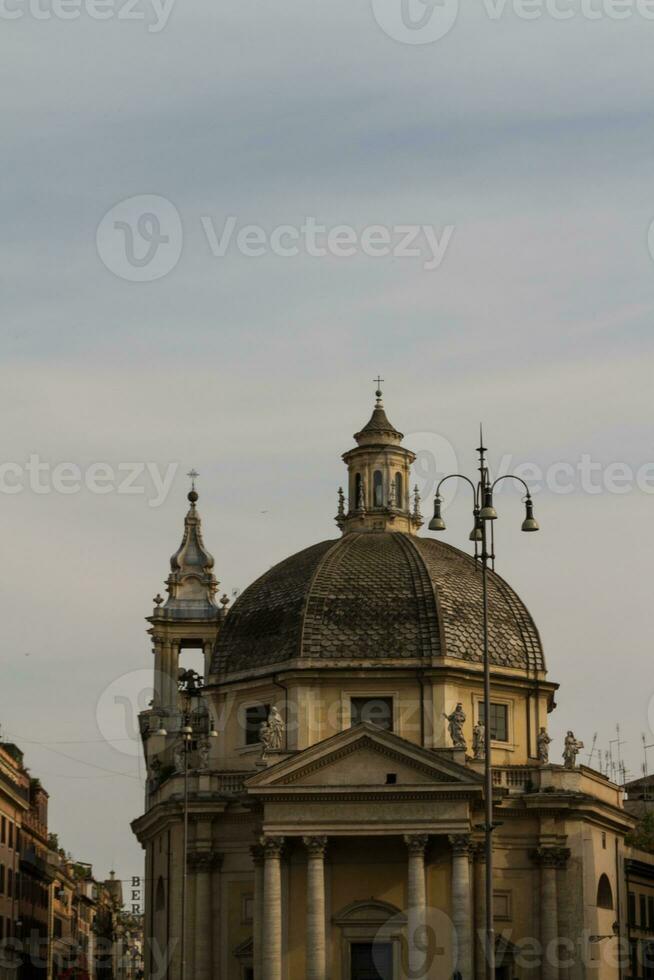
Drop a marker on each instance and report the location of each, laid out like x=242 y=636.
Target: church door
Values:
x=371 y=961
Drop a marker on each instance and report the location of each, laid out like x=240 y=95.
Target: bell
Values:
x=476 y=534
x=530 y=523
x=488 y=512
x=437 y=523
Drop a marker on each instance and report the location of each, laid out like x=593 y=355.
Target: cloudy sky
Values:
x=145 y=323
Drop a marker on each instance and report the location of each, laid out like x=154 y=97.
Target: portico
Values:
x=423 y=818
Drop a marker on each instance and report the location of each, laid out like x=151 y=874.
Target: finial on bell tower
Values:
x=378 y=393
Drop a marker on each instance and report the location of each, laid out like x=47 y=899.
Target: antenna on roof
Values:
x=592 y=751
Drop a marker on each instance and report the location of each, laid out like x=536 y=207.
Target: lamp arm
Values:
x=511 y=476
x=459 y=476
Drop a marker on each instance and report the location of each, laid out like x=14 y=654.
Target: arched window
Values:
x=378 y=489
x=160 y=898
x=399 y=493
x=357 y=491
x=604 y=893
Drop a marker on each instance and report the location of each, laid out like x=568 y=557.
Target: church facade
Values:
x=315 y=804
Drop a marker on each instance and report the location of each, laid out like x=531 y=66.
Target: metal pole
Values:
x=488 y=765
x=185 y=859
x=488 y=775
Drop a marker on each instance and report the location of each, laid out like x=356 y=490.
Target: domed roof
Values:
x=375 y=596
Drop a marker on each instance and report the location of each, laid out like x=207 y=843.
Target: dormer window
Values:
x=378 y=488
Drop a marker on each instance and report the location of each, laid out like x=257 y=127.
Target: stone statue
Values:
x=543 y=746
x=571 y=750
x=271 y=732
x=204 y=749
x=455 y=726
x=179 y=758
x=479 y=740
x=188 y=680
x=154 y=773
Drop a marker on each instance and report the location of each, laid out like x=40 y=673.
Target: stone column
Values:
x=200 y=927
x=461 y=903
x=216 y=912
x=257 y=924
x=549 y=859
x=417 y=906
x=479 y=854
x=272 y=908
x=315 y=944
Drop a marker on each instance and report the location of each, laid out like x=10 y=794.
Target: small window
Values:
x=11 y=834
x=399 y=493
x=160 y=898
x=378 y=488
x=2 y=879
x=502 y=905
x=499 y=721
x=650 y=913
x=3 y=831
x=391 y=779
x=631 y=909
x=247 y=909
x=603 y=840
x=643 y=912
x=254 y=717
x=375 y=711
x=604 y=893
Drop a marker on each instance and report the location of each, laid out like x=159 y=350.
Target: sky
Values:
x=220 y=222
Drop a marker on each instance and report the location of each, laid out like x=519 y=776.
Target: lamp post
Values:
x=484 y=514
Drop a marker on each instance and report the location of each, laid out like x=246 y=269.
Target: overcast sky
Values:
x=525 y=147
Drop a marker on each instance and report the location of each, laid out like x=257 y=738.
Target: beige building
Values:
x=334 y=826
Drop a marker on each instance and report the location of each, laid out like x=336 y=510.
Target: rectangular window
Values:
x=643 y=911
x=254 y=717
x=631 y=908
x=10 y=842
x=3 y=831
x=58 y=927
x=499 y=721
x=375 y=711
x=10 y=883
x=2 y=879
x=650 y=913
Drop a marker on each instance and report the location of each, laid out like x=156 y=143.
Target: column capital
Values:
x=478 y=851
x=551 y=857
x=316 y=846
x=460 y=843
x=272 y=846
x=200 y=861
x=416 y=843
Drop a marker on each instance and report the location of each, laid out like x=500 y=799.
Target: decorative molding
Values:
x=460 y=844
x=551 y=857
x=416 y=843
x=204 y=861
x=316 y=846
x=272 y=847
x=366 y=743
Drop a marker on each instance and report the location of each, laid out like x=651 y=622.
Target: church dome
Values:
x=377 y=597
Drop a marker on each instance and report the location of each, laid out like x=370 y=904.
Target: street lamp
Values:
x=484 y=513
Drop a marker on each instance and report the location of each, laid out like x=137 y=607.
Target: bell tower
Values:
x=189 y=618
x=379 y=469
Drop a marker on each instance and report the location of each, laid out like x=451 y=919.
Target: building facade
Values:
x=333 y=828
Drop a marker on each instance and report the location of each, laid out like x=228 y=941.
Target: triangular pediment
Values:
x=366 y=756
